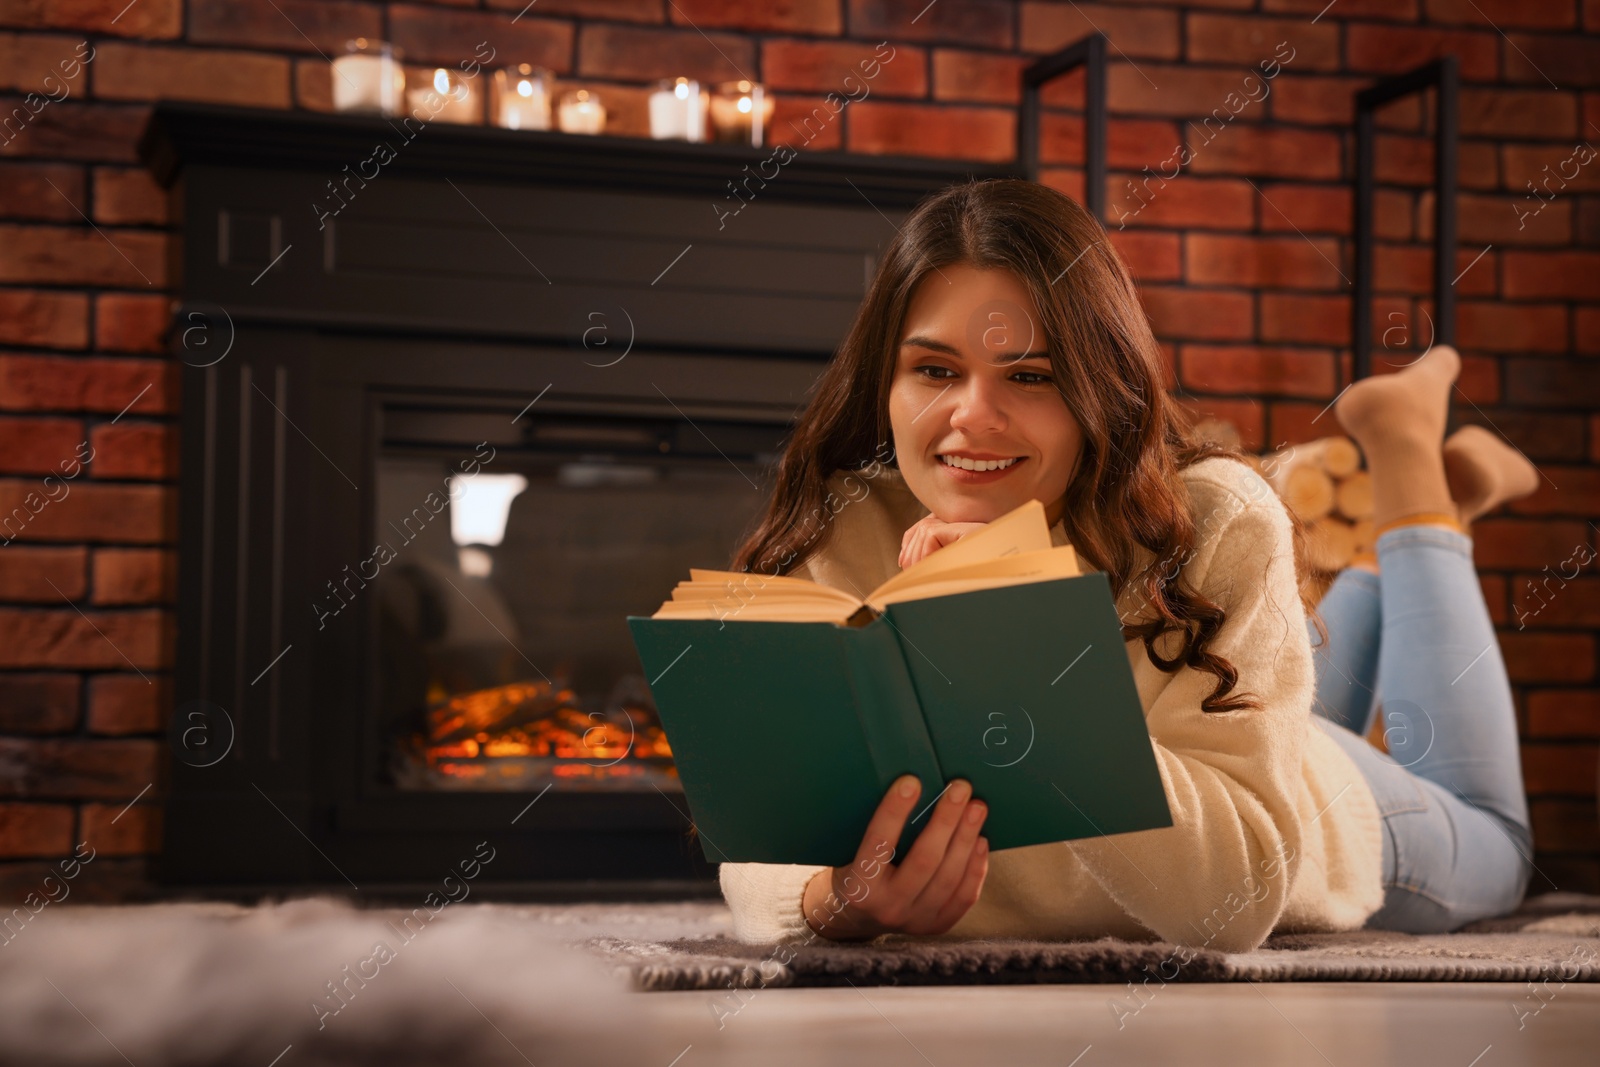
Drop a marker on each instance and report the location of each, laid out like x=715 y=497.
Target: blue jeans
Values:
x=1416 y=642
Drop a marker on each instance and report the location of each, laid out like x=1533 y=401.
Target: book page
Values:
x=1021 y=529
x=1041 y=566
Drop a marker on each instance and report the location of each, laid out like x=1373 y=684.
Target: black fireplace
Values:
x=446 y=422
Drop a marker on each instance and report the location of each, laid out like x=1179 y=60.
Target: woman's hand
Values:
x=928 y=892
x=929 y=534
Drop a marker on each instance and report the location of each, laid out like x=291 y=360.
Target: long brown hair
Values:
x=1126 y=490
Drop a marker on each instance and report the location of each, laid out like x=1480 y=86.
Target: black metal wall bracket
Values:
x=1444 y=75
x=1090 y=53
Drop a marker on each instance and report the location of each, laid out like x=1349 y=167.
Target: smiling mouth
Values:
x=962 y=463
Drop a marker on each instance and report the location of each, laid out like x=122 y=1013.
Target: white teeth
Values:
x=977 y=464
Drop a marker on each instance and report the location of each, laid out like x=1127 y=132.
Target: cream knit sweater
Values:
x=1274 y=828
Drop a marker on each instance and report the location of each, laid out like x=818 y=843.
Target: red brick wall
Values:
x=1236 y=256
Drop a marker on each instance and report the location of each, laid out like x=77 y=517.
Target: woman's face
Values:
x=960 y=390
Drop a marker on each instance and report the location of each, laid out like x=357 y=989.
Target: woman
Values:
x=1003 y=349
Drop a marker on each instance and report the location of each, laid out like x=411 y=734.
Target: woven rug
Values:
x=1553 y=937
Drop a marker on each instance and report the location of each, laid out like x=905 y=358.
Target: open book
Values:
x=1010 y=550
x=791 y=707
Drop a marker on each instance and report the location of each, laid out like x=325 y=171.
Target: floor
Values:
x=1356 y=1024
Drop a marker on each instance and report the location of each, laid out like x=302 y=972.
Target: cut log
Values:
x=1354 y=496
x=1330 y=542
x=1362 y=528
x=1339 y=456
x=1306 y=491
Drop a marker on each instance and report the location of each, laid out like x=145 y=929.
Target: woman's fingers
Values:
x=887 y=823
x=953 y=865
x=967 y=893
x=927 y=852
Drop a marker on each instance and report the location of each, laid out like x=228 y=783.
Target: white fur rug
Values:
x=194 y=983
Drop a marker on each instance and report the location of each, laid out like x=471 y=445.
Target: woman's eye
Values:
x=1025 y=377
x=1041 y=379
x=927 y=367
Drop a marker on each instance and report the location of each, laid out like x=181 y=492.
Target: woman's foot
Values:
x=1485 y=472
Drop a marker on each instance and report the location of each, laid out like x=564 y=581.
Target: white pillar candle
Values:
x=678 y=111
x=581 y=112
x=369 y=79
x=445 y=97
x=522 y=98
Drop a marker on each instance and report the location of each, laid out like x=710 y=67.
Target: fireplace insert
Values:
x=436 y=446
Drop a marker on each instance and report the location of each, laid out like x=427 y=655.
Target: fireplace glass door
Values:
x=506 y=557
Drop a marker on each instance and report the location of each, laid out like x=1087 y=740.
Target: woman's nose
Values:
x=978 y=409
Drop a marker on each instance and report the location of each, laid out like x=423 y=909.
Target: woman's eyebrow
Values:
x=939 y=346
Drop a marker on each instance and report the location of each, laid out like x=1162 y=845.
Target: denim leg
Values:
x=1347 y=664
x=1457 y=841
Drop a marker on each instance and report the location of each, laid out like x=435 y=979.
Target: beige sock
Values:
x=1485 y=472
x=1398 y=420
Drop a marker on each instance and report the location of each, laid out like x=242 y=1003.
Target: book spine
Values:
x=891 y=718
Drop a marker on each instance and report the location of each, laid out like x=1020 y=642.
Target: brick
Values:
x=43 y=319
x=1247 y=416
x=1564 y=713
x=451 y=37
x=1402 y=160
x=1150 y=257
x=1506 y=543
x=825 y=66
x=145 y=451
x=1541 y=435
x=1257 y=371
x=1394 y=49
x=1549 y=171
x=74 y=769
x=1503 y=327
x=122 y=703
x=35 y=829
x=1551 y=275
x=1501 y=219
x=49 y=65
x=37 y=445
x=44 y=191
x=63 y=255
x=108 y=880
x=1409 y=269
x=1310 y=319
x=1250 y=40
x=795 y=16
x=1588 y=330
x=75 y=383
x=1395 y=10
x=1262 y=262
x=1276 y=152
x=971 y=22
x=1197 y=314
x=105 y=640
x=1493 y=587
x=1564 y=825
x=1506 y=14
x=313 y=85
x=78 y=131
x=633 y=53
x=147 y=18
x=1328 y=100
x=608 y=10
x=1065 y=180
x=1554 y=383
x=118 y=514
x=1559 y=769
x=136 y=72
x=38 y=703
x=128 y=323
x=42 y=575
x=283 y=25
x=627 y=109
x=948 y=131
x=977 y=77
x=120 y=830
x=1151 y=147
x=1186 y=202
x=1547 y=599
x=1292 y=422
x=1521 y=113
x=136 y=576
x=1566 y=59
x=807 y=122
x=1548 y=657
x=1142 y=32
x=1183 y=92
x=129 y=197
x=1479 y=381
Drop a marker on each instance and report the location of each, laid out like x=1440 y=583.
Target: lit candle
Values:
x=445 y=96
x=678 y=111
x=368 y=78
x=741 y=112
x=581 y=112
x=522 y=98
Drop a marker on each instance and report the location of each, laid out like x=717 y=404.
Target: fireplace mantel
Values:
x=450 y=299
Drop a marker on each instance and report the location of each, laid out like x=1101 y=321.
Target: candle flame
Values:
x=744 y=104
x=524 y=88
x=681 y=89
x=441 y=81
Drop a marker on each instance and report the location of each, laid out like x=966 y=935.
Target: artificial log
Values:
x=1307 y=491
x=1353 y=498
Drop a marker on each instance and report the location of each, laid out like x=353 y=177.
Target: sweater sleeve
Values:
x=765 y=899
x=1221 y=874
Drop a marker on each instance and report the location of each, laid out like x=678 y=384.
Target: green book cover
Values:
x=786 y=735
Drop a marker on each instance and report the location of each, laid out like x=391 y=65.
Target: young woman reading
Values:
x=1003 y=350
